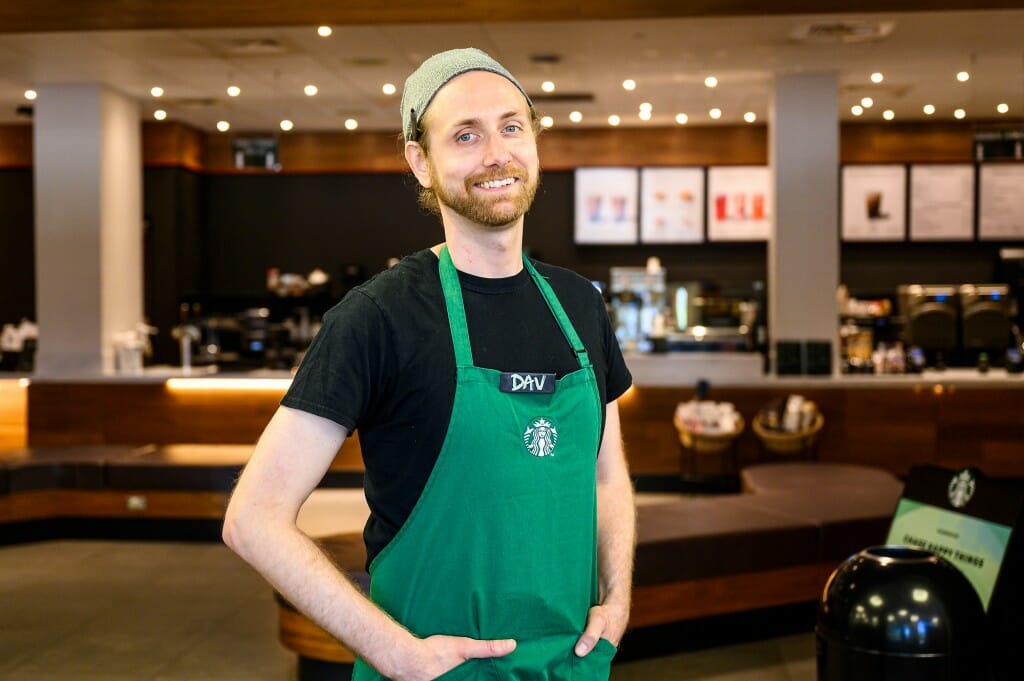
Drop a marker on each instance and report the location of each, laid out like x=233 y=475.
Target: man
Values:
x=501 y=533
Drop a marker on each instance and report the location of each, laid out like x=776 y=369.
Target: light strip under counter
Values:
x=14 y=412
x=220 y=384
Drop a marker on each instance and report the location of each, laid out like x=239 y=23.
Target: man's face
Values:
x=482 y=161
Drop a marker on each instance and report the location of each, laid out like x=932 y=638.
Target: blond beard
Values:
x=483 y=210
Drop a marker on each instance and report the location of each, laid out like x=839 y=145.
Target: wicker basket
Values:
x=789 y=443
x=707 y=443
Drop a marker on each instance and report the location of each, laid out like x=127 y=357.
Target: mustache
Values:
x=511 y=170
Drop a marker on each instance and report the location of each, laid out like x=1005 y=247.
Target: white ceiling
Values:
x=668 y=58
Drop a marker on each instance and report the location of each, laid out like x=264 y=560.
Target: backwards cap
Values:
x=434 y=73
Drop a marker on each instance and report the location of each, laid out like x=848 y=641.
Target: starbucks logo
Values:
x=961 y=489
x=540 y=437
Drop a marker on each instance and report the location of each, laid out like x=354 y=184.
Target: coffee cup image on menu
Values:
x=873 y=205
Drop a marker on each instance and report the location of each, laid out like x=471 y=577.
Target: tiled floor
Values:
x=161 y=611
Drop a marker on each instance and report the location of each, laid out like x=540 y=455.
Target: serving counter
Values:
x=953 y=418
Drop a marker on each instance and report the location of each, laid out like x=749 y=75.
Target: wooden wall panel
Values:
x=318 y=152
x=173 y=145
x=907 y=143
x=15 y=145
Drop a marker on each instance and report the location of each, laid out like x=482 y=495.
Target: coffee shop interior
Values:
x=804 y=218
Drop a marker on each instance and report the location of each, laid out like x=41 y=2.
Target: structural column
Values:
x=89 y=236
x=803 y=252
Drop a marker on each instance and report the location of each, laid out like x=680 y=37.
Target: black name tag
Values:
x=521 y=382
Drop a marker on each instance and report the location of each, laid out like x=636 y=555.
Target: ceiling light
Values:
x=888 y=114
x=351 y=124
x=877 y=77
x=1003 y=107
x=287 y=125
x=645 y=106
x=715 y=113
x=156 y=91
x=223 y=126
x=711 y=81
x=750 y=117
x=324 y=31
x=547 y=86
x=959 y=114
x=682 y=118
x=234 y=91
x=629 y=84
x=963 y=76
x=575 y=117
x=160 y=114
x=614 y=120
x=856 y=109
x=645 y=114
x=929 y=109
x=31 y=94
x=867 y=102
x=310 y=90
x=547 y=121
x=389 y=88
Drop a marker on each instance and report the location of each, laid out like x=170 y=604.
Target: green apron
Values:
x=503 y=541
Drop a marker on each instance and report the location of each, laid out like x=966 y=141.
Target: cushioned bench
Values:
x=701 y=556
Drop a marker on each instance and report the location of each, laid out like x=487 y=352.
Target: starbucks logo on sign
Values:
x=961 y=489
x=540 y=437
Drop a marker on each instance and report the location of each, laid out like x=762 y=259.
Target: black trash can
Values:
x=892 y=613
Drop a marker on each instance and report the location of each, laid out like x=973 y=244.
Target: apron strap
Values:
x=560 y=316
x=456 y=309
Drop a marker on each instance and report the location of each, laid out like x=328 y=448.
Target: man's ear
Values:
x=418 y=162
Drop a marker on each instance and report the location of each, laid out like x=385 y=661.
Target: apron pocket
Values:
x=464 y=671
x=596 y=665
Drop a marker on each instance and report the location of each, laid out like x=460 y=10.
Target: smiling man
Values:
x=484 y=387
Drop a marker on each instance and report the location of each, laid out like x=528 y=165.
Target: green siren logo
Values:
x=541 y=437
x=961 y=488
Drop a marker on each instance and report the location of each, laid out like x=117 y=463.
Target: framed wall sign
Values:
x=739 y=203
x=874 y=203
x=942 y=202
x=1001 y=210
x=671 y=205
x=607 y=202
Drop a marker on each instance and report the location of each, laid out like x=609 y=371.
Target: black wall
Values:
x=17 y=246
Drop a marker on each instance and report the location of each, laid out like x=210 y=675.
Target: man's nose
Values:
x=497 y=151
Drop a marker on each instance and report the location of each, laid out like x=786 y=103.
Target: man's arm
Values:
x=616 y=539
x=292 y=456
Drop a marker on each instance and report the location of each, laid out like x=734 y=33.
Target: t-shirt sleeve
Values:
x=343 y=372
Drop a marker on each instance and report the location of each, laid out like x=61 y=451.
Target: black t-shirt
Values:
x=383 y=363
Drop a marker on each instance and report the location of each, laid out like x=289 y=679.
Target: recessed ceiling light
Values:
x=575 y=116
x=929 y=109
x=614 y=120
x=324 y=31
x=31 y=94
x=223 y=126
x=867 y=102
x=234 y=91
x=287 y=125
x=856 y=109
x=750 y=117
x=389 y=88
x=156 y=91
x=963 y=76
x=645 y=106
x=877 y=77
x=1003 y=107
x=682 y=118
x=645 y=114
x=547 y=121
x=888 y=114
x=715 y=113
x=547 y=86
x=310 y=90
x=959 y=114
x=160 y=114
x=629 y=84
x=351 y=124
x=711 y=81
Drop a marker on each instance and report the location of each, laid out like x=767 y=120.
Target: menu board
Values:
x=942 y=202
x=1001 y=209
x=874 y=203
x=606 y=205
x=739 y=203
x=671 y=205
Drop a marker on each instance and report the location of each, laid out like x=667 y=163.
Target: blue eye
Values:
x=465 y=137
x=512 y=127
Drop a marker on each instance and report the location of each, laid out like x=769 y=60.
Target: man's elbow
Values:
x=235 y=531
